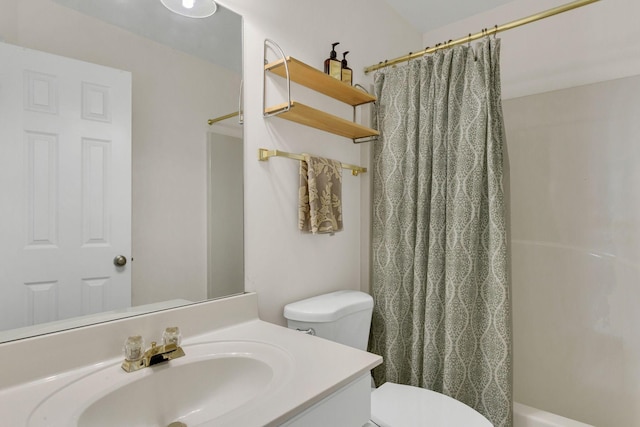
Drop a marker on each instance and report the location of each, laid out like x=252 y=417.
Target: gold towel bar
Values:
x=221 y=118
x=264 y=155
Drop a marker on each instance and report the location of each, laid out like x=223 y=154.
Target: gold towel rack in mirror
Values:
x=264 y=155
x=225 y=117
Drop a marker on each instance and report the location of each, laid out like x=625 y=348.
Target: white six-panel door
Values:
x=65 y=187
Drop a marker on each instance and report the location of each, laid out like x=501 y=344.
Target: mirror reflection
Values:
x=117 y=196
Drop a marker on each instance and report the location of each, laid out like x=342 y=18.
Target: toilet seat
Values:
x=396 y=405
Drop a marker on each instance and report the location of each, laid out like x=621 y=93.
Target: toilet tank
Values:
x=342 y=316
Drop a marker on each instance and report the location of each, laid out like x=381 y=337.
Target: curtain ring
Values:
x=469 y=41
x=495 y=32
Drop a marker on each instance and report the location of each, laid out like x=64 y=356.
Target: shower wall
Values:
x=574 y=192
x=575 y=199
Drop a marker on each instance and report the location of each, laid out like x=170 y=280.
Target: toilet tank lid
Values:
x=328 y=307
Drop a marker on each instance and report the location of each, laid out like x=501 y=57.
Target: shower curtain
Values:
x=440 y=282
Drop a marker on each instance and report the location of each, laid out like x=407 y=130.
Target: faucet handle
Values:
x=171 y=335
x=134 y=348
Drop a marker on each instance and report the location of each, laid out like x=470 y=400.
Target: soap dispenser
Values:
x=346 y=72
x=332 y=66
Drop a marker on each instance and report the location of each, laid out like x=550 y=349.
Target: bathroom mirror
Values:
x=146 y=214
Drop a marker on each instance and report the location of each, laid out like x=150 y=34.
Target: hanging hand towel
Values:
x=320 y=203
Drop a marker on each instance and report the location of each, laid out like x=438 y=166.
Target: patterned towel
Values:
x=320 y=202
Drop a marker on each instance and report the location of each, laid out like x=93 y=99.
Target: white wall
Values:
x=282 y=264
x=574 y=205
x=575 y=230
x=225 y=252
x=595 y=43
x=172 y=99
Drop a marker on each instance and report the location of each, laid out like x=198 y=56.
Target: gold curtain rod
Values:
x=221 y=118
x=264 y=155
x=486 y=32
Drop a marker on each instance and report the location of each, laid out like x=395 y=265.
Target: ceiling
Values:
x=217 y=39
x=202 y=36
x=427 y=15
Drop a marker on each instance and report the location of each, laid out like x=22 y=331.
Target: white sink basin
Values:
x=207 y=386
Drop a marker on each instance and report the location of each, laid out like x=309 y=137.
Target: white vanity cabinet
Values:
x=348 y=407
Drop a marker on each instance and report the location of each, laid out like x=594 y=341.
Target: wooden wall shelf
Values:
x=312 y=78
x=320 y=82
x=314 y=118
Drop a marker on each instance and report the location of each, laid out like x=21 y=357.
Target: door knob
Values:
x=120 y=261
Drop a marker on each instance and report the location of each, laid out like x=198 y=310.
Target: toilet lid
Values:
x=395 y=405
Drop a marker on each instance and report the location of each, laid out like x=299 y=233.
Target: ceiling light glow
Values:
x=191 y=8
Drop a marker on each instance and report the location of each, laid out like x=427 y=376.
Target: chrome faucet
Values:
x=136 y=359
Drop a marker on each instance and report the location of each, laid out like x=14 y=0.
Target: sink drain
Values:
x=177 y=424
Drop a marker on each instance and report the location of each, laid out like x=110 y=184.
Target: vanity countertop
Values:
x=315 y=367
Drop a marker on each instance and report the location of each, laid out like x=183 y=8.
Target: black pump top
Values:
x=333 y=50
x=344 y=59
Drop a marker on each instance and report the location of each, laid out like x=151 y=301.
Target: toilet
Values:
x=345 y=317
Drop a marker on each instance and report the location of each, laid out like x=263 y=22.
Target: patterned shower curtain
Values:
x=442 y=315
